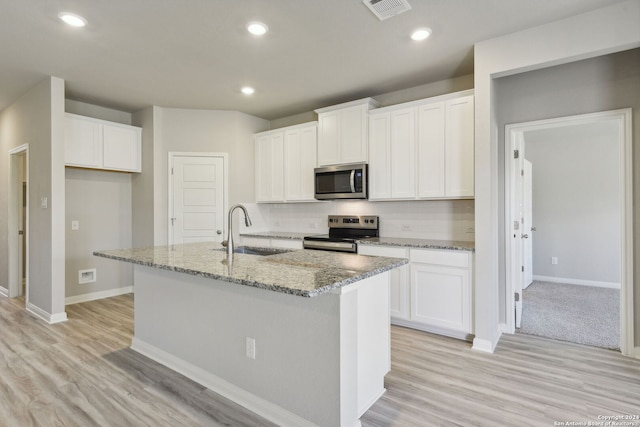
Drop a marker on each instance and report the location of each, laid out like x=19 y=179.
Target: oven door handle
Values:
x=352 y=180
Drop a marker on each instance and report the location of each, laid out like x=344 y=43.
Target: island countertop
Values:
x=305 y=273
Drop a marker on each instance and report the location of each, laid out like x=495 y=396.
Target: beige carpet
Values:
x=579 y=314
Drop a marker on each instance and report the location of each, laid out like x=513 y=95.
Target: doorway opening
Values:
x=18 y=223
x=575 y=233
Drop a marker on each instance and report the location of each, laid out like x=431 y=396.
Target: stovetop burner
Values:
x=344 y=231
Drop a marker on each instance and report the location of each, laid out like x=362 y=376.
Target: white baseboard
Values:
x=4 y=292
x=569 y=281
x=636 y=353
x=92 y=296
x=432 y=329
x=487 y=346
x=47 y=317
x=255 y=404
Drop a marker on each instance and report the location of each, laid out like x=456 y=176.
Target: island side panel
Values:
x=205 y=323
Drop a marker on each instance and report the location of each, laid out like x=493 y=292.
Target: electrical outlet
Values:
x=554 y=260
x=251 y=348
x=75 y=224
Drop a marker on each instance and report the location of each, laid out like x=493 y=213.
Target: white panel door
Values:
x=121 y=148
x=459 y=151
x=527 y=218
x=353 y=135
x=82 y=142
x=197 y=199
x=379 y=159
x=440 y=296
x=328 y=138
x=403 y=137
x=431 y=157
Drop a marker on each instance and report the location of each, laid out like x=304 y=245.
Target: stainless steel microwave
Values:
x=341 y=182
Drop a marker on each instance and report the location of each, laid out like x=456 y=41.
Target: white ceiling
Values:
x=197 y=54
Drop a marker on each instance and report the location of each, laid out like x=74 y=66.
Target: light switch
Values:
x=44 y=202
x=75 y=224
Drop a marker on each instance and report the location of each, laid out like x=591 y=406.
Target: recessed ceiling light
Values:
x=257 y=28
x=421 y=34
x=247 y=90
x=72 y=19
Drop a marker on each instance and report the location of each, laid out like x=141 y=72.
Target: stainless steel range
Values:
x=344 y=231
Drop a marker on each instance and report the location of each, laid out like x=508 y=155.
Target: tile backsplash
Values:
x=440 y=219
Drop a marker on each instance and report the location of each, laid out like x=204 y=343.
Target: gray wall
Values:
x=576 y=202
x=191 y=130
x=603 y=83
x=37 y=118
x=101 y=202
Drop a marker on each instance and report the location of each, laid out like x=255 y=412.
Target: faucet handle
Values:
x=225 y=243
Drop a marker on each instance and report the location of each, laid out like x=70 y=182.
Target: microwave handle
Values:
x=353 y=180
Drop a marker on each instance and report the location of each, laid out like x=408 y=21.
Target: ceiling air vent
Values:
x=384 y=9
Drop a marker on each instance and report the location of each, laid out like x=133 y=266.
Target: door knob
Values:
x=219 y=232
x=525 y=236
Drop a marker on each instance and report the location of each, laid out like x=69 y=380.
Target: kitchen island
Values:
x=301 y=338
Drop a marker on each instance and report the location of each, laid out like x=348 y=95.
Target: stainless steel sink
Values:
x=254 y=250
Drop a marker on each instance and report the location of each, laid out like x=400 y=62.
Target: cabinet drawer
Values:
x=286 y=243
x=459 y=259
x=382 y=251
x=256 y=241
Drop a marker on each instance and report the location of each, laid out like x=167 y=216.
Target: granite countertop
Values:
x=278 y=235
x=452 y=245
x=305 y=273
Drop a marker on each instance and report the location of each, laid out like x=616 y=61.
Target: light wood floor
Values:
x=82 y=373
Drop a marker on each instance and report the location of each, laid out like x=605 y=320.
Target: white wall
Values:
x=437 y=220
x=595 y=33
x=576 y=202
x=37 y=119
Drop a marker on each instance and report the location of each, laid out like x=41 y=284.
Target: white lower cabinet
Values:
x=441 y=289
x=399 y=286
x=433 y=292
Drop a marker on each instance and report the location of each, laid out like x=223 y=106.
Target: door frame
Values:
x=14 y=217
x=513 y=134
x=225 y=197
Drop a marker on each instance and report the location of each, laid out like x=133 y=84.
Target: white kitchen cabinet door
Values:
x=121 y=148
x=431 y=150
x=459 y=167
x=440 y=293
x=329 y=138
x=300 y=160
x=379 y=159
x=98 y=144
x=353 y=134
x=402 y=154
x=399 y=279
x=269 y=167
x=82 y=142
x=343 y=132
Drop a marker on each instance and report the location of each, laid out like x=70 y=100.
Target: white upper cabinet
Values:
x=285 y=159
x=99 y=144
x=392 y=162
x=423 y=149
x=299 y=161
x=269 y=167
x=342 y=132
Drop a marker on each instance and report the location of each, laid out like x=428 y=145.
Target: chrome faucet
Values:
x=229 y=241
